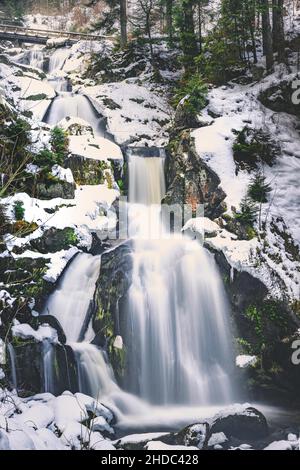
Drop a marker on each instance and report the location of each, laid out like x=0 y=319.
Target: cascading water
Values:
x=178 y=349
x=13 y=365
x=58 y=59
x=36 y=58
x=70 y=305
x=68 y=104
x=71 y=301
x=178 y=341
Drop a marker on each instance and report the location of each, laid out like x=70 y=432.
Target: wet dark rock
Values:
x=248 y=425
x=30 y=380
x=54 y=240
x=190 y=181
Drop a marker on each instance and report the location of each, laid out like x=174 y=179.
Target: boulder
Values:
x=59 y=189
x=278 y=97
x=190 y=181
x=87 y=170
x=248 y=424
x=54 y=240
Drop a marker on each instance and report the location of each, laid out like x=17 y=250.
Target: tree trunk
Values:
x=188 y=36
x=169 y=18
x=278 y=30
x=200 y=24
x=267 y=35
x=250 y=13
x=123 y=22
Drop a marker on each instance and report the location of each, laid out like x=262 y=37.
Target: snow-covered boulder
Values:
x=240 y=422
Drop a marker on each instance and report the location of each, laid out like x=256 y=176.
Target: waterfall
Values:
x=68 y=104
x=36 y=58
x=95 y=376
x=48 y=357
x=177 y=336
x=13 y=365
x=71 y=301
x=58 y=59
x=70 y=305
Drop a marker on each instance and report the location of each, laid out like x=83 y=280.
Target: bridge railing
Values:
x=47 y=33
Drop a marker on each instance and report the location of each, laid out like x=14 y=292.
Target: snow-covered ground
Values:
x=134 y=114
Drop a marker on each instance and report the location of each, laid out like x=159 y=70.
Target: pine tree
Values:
x=186 y=25
x=259 y=188
x=248 y=211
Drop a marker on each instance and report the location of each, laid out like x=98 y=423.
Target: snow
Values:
x=31 y=87
x=39 y=416
x=137 y=438
x=217 y=439
x=118 y=342
x=139 y=113
x=63 y=174
x=279 y=445
x=243 y=361
x=25 y=331
x=158 y=445
x=99 y=424
x=96 y=148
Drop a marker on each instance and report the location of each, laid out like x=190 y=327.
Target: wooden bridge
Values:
x=38 y=36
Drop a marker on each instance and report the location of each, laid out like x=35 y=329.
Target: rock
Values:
x=190 y=181
x=76 y=126
x=185 y=118
x=87 y=170
x=61 y=189
x=195 y=435
x=278 y=97
x=54 y=240
x=111 y=289
x=247 y=424
x=217 y=439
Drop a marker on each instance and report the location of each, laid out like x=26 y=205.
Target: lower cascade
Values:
x=179 y=348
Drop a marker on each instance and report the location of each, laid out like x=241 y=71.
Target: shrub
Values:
x=253 y=146
x=45 y=158
x=194 y=91
x=248 y=212
x=19 y=210
x=259 y=188
x=60 y=144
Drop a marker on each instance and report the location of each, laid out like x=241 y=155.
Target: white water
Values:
x=71 y=301
x=58 y=59
x=178 y=341
x=36 y=58
x=48 y=367
x=13 y=366
x=68 y=104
